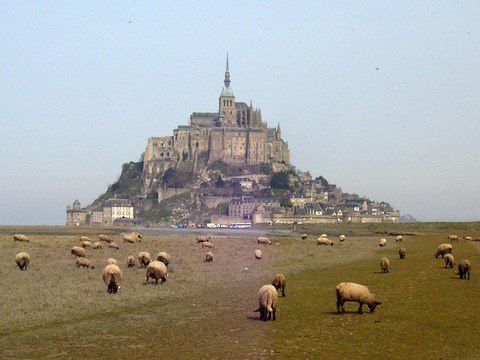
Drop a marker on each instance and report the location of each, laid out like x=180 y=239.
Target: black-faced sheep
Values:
x=384 y=265
x=263 y=240
x=258 y=254
x=449 y=261
x=132 y=237
x=464 y=268
x=158 y=271
x=382 y=242
x=209 y=256
x=342 y=238
x=324 y=241
x=399 y=238
x=348 y=291
x=22 y=259
x=467 y=238
x=279 y=282
x=112 y=275
x=267 y=302
x=402 y=252
x=97 y=245
x=106 y=238
x=113 y=245
x=304 y=236
x=442 y=250
x=452 y=238
x=84 y=262
x=131 y=262
x=78 y=251
x=111 y=261
x=144 y=258
x=164 y=257
x=203 y=238
x=21 y=237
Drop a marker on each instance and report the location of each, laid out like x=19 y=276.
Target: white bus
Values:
x=240 y=226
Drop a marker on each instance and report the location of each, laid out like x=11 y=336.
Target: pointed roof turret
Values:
x=227 y=91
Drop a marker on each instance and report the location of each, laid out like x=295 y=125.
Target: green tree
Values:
x=280 y=180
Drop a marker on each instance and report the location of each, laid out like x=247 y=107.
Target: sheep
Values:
x=442 y=250
x=113 y=245
x=106 y=238
x=84 y=262
x=342 y=238
x=132 y=237
x=452 y=238
x=324 y=235
x=258 y=254
x=207 y=244
x=467 y=238
x=84 y=238
x=464 y=268
x=263 y=240
x=209 y=256
x=21 y=237
x=279 y=282
x=203 y=238
x=324 y=241
x=449 y=261
x=304 y=236
x=384 y=265
x=112 y=275
x=399 y=238
x=131 y=262
x=111 y=261
x=78 y=251
x=164 y=257
x=97 y=245
x=144 y=258
x=267 y=302
x=348 y=291
x=22 y=259
x=156 y=270
x=86 y=243
x=401 y=252
x=382 y=242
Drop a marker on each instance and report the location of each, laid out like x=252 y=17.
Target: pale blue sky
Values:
x=85 y=83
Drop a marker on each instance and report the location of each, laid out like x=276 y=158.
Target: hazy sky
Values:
x=379 y=97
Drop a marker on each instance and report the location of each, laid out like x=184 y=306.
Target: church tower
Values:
x=226 y=103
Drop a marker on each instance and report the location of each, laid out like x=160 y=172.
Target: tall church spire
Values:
x=227 y=75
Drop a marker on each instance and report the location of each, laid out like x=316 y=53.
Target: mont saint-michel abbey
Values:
x=235 y=134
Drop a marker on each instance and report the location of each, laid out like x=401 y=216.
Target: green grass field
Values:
x=205 y=310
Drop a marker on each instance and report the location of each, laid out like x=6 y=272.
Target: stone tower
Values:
x=226 y=103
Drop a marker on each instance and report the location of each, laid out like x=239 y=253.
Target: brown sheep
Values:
x=263 y=240
x=112 y=275
x=144 y=258
x=384 y=265
x=449 y=261
x=442 y=250
x=267 y=302
x=106 y=238
x=113 y=245
x=402 y=252
x=78 y=251
x=86 y=243
x=23 y=260
x=111 y=261
x=348 y=291
x=203 y=238
x=464 y=268
x=84 y=238
x=158 y=271
x=209 y=256
x=279 y=282
x=21 y=237
x=132 y=237
x=131 y=262
x=164 y=257
x=84 y=262
x=207 y=244
x=97 y=245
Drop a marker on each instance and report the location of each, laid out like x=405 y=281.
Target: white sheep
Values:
x=258 y=254
x=384 y=265
x=467 y=238
x=464 y=268
x=84 y=262
x=78 y=251
x=131 y=262
x=132 y=237
x=442 y=250
x=267 y=302
x=156 y=270
x=207 y=244
x=452 y=238
x=279 y=282
x=106 y=238
x=399 y=238
x=263 y=240
x=84 y=238
x=112 y=275
x=23 y=260
x=164 y=257
x=21 y=237
x=348 y=291
x=304 y=236
x=97 y=245
x=113 y=245
x=324 y=235
x=144 y=258
x=324 y=241
x=342 y=238
x=209 y=256
x=203 y=238
x=111 y=261
x=402 y=252
x=382 y=242
x=449 y=261
x=86 y=243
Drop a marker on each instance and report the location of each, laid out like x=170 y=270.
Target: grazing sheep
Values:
x=348 y=291
x=106 y=238
x=209 y=256
x=86 y=243
x=258 y=254
x=113 y=245
x=342 y=238
x=112 y=275
x=267 y=302
x=78 y=251
x=144 y=258
x=22 y=259
x=111 y=261
x=324 y=241
x=279 y=282
x=207 y=244
x=399 y=238
x=203 y=238
x=467 y=238
x=449 y=261
x=132 y=237
x=84 y=238
x=324 y=235
x=452 y=238
x=21 y=237
x=97 y=245
x=442 y=250
x=382 y=242
x=304 y=236
x=402 y=251
x=84 y=262
x=156 y=270
x=131 y=262
x=164 y=257
x=384 y=265
x=263 y=240
x=464 y=268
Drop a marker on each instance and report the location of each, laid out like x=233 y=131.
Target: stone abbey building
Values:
x=235 y=134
